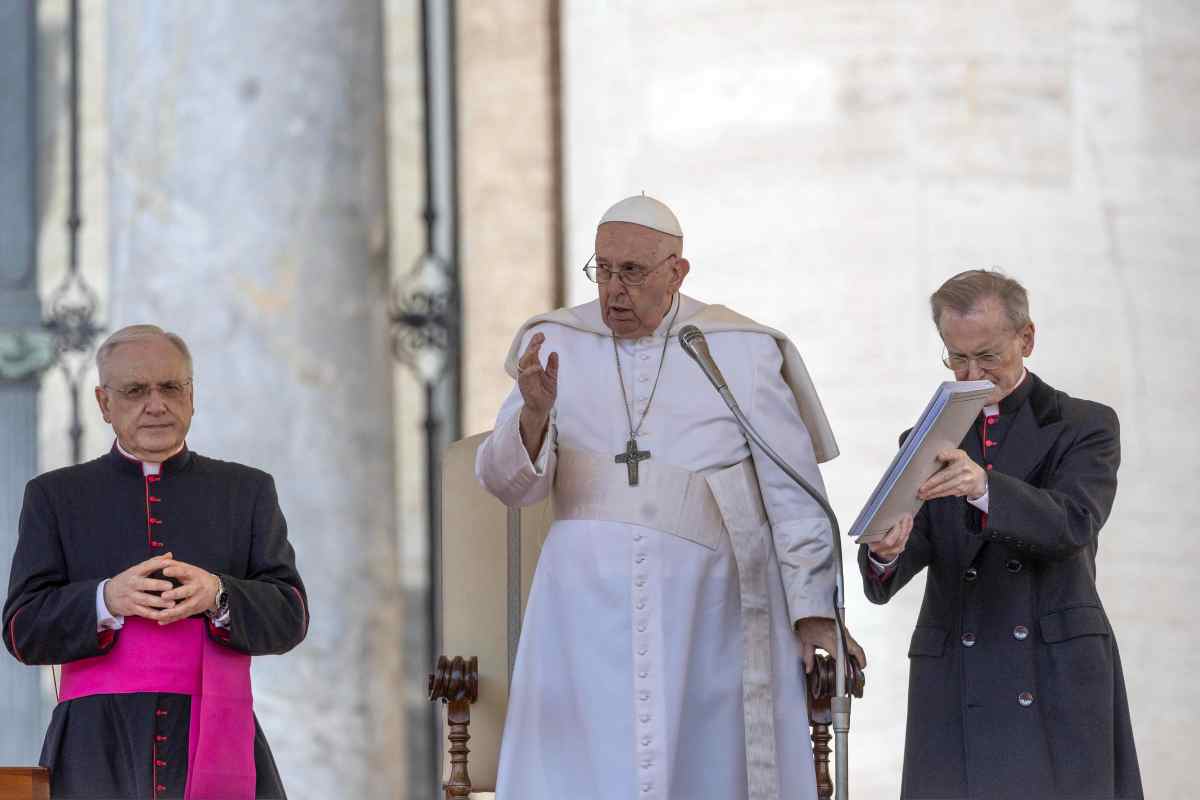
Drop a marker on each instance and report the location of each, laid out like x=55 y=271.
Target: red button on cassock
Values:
x=989 y=466
x=992 y=420
x=157 y=544
x=159 y=763
x=160 y=738
x=160 y=712
x=989 y=443
x=160 y=788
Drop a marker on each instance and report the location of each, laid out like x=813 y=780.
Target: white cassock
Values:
x=631 y=675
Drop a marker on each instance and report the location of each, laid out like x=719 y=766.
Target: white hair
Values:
x=136 y=333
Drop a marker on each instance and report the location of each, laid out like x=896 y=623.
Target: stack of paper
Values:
x=942 y=426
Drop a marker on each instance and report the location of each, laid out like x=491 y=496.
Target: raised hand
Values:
x=129 y=594
x=196 y=592
x=539 y=389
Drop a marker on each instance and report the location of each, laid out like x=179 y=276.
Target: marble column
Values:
x=248 y=214
x=24 y=349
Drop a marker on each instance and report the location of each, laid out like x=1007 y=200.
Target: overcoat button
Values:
x=1013 y=565
x=1025 y=698
x=1020 y=633
x=970 y=574
x=968 y=640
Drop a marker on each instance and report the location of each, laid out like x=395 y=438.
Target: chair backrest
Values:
x=24 y=783
x=488 y=556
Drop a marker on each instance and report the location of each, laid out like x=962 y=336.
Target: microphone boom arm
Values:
x=693 y=343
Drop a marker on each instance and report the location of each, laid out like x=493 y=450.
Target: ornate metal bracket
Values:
x=25 y=355
x=423 y=317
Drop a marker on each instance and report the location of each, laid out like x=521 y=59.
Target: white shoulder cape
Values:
x=709 y=319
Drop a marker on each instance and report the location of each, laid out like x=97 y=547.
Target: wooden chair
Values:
x=488 y=556
x=24 y=783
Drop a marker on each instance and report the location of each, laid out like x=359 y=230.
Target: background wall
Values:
x=833 y=163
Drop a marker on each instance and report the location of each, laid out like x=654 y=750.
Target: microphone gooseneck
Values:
x=692 y=340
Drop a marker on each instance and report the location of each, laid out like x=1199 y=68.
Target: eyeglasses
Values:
x=630 y=274
x=167 y=390
x=959 y=362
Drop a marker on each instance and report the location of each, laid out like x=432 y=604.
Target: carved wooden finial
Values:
x=822 y=685
x=455 y=681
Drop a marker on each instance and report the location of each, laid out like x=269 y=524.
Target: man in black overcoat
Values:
x=1015 y=684
x=153 y=551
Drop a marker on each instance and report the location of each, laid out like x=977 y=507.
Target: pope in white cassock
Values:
x=685 y=580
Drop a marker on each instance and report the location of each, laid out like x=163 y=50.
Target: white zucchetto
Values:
x=644 y=211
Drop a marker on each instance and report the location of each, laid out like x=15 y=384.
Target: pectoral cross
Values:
x=630 y=459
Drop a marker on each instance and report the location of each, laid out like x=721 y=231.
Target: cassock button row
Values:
x=968 y=640
x=160 y=738
x=158 y=762
x=641 y=582
x=1025 y=699
x=637 y=537
x=642 y=652
x=640 y=558
x=989 y=443
x=989 y=467
x=642 y=628
x=645 y=718
x=644 y=696
x=645 y=741
x=643 y=674
x=160 y=788
x=641 y=605
x=1020 y=633
x=646 y=787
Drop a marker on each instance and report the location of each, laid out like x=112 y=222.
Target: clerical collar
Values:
x=1014 y=399
x=664 y=326
x=171 y=463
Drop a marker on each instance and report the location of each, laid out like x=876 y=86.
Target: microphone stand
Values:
x=840 y=702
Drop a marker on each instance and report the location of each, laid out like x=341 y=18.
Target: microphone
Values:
x=695 y=345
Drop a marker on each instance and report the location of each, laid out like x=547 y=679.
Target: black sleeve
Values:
x=268 y=608
x=879 y=588
x=48 y=619
x=1066 y=513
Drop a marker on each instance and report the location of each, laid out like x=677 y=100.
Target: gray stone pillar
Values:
x=24 y=350
x=248 y=214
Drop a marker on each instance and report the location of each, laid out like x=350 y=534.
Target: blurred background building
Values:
x=253 y=176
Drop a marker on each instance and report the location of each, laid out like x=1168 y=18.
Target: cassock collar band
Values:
x=176 y=463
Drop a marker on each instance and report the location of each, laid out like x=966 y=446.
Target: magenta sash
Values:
x=181 y=659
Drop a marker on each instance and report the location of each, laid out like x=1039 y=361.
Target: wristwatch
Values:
x=222 y=601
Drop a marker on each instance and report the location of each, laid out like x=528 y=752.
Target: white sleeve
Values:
x=800 y=529
x=880 y=566
x=980 y=502
x=104 y=617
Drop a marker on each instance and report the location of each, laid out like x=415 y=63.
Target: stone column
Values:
x=24 y=350
x=248 y=214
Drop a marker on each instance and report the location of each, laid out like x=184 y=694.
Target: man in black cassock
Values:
x=147 y=537
x=1015 y=683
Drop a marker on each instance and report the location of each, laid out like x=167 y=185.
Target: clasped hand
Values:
x=133 y=593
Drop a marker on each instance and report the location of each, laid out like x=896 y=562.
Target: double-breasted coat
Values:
x=1015 y=683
